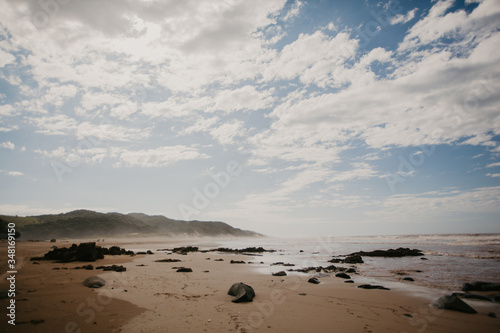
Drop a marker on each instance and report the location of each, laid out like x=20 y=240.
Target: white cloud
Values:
x=9 y=129
x=6 y=58
x=14 y=173
x=402 y=19
x=157 y=157
x=7 y=145
x=493 y=175
x=228 y=132
x=493 y=165
x=294 y=11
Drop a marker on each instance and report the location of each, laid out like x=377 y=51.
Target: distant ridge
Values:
x=86 y=223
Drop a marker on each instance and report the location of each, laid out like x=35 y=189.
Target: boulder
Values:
x=454 y=303
x=314 y=280
x=93 y=282
x=351 y=270
x=280 y=273
x=237 y=262
x=342 y=275
x=241 y=292
x=408 y=279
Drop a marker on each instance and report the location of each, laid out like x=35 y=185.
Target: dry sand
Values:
x=155 y=298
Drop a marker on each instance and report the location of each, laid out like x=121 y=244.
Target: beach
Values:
x=151 y=296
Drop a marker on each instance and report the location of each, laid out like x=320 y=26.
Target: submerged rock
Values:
x=450 y=302
x=481 y=286
x=399 y=252
x=241 y=292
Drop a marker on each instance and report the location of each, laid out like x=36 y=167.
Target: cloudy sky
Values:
x=283 y=117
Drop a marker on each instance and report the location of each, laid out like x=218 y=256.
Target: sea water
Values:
x=451 y=259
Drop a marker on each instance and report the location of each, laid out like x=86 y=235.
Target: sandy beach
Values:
x=151 y=296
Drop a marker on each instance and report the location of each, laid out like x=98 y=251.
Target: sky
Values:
x=289 y=118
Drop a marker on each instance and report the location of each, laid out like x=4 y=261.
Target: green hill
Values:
x=86 y=223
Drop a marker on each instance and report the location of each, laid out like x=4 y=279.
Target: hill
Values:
x=86 y=223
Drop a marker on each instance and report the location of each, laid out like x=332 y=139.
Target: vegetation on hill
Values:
x=86 y=223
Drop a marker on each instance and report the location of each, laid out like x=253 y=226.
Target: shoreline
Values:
x=159 y=299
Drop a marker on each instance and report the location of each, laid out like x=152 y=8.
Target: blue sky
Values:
x=283 y=117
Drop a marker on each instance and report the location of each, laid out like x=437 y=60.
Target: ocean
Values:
x=451 y=259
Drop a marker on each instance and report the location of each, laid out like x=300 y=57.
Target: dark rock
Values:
x=454 y=303
x=53 y=240
x=408 y=315
x=370 y=286
x=281 y=263
x=314 y=280
x=219 y=260
x=399 y=252
x=94 y=282
x=336 y=261
x=348 y=281
x=36 y=321
x=492 y=315
x=481 y=286
x=184 y=270
x=280 y=273
x=241 y=293
x=245 y=250
x=237 y=262
x=301 y=251
x=408 y=279
x=331 y=268
x=185 y=249
x=87 y=267
x=149 y=252
x=424 y=258
x=82 y=252
x=473 y=296
x=168 y=260
x=351 y=270
x=353 y=259
x=342 y=275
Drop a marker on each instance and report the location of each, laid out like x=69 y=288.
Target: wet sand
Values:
x=156 y=298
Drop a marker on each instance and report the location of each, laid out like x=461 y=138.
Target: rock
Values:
x=492 y=315
x=348 y=281
x=473 y=296
x=351 y=270
x=353 y=259
x=314 y=280
x=185 y=249
x=219 y=260
x=280 y=273
x=168 y=260
x=342 y=275
x=399 y=252
x=369 y=286
x=36 y=321
x=94 y=282
x=408 y=279
x=454 y=303
x=241 y=293
x=481 y=286
x=81 y=252
x=53 y=240
x=281 y=263
x=424 y=258
x=149 y=252
x=301 y=251
x=237 y=262
x=245 y=250
x=184 y=270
